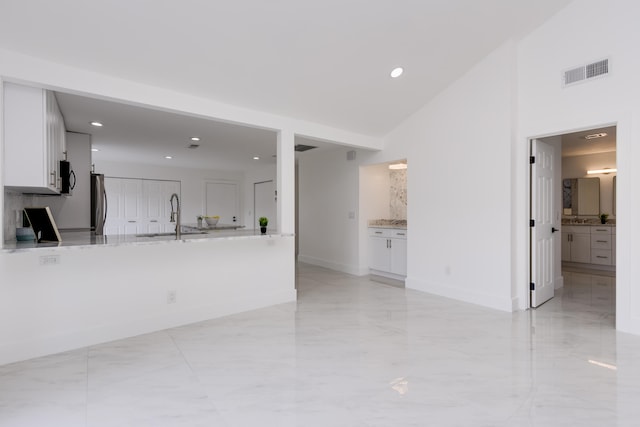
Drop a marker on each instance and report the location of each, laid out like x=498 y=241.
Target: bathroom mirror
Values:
x=581 y=196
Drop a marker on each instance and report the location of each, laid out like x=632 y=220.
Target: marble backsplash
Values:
x=398 y=196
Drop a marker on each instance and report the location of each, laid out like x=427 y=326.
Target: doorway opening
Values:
x=573 y=221
x=264 y=202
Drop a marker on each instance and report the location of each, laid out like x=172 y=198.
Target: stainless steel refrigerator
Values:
x=98 y=204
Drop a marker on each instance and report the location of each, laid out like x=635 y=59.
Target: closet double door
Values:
x=139 y=206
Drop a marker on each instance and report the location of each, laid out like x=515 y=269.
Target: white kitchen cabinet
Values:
x=388 y=252
x=138 y=206
x=34 y=135
x=576 y=244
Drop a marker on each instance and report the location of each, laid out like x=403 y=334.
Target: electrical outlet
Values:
x=171 y=297
x=50 y=260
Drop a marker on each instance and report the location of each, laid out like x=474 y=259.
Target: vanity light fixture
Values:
x=168 y=157
x=396 y=72
x=256 y=158
x=96 y=124
x=94 y=149
x=195 y=138
x=604 y=171
x=596 y=135
x=398 y=166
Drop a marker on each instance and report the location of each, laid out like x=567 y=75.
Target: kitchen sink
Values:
x=184 y=233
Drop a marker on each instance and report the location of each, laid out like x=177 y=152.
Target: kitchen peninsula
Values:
x=75 y=239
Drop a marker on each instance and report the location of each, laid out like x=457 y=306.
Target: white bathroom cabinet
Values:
x=388 y=252
x=589 y=244
x=576 y=244
x=34 y=135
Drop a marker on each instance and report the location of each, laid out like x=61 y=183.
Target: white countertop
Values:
x=84 y=239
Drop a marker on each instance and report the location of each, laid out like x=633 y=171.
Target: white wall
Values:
x=577 y=167
x=458 y=148
x=192 y=182
x=545 y=108
x=328 y=191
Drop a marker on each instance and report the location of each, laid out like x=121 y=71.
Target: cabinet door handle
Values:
x=399 y=234
x=602 y=241
x=601 y=229
x=131 y=221
x=153 y=220
x=378 y=232
x=601 y=257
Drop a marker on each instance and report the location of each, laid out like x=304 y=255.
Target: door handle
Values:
x=553 y=229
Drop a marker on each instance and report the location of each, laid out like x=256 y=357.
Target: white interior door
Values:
x=221 y=198
x=543 y=231
x=124 y=215
x=264 y=203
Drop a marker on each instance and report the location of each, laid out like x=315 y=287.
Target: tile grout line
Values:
x=86 y=400
x=193 y=372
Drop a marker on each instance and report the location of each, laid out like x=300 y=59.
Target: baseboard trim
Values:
x=331 y=265
x=464 y=295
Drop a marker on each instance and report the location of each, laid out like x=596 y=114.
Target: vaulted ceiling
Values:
x=324 y=61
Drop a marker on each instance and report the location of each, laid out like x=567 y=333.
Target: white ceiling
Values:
x=575 y=144
x=325 y=61
x=142 y=135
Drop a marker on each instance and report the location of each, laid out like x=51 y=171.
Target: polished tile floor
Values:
x=351 y=352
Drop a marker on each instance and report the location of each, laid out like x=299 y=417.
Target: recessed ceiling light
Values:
x=397 y=72
x=168 y=157
x=94 y=149
x=195 y=138
x=256 y=158
x=96 y=124
x=596 y=135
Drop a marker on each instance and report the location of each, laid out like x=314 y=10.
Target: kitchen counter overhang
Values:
x=84 y=239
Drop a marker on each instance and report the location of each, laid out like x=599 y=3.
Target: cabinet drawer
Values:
x=601 y=256
x=601 y=230
x=399 y=234
x=379 y=232
x=576 y=229
x=600 y=241
x=396 y=233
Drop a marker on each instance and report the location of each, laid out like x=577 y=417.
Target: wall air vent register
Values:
x=585 y=72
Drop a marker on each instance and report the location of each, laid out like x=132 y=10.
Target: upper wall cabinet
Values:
x=34 y=136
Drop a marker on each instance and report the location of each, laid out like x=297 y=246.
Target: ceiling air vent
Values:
x=585 y=72
x=302 y=147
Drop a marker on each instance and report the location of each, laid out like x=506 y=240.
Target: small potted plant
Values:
x=603 y=218
x=263 y=221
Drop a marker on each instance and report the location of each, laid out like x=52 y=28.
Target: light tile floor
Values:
x=351 y=352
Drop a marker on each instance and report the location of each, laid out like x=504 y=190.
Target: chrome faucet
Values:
x=175 y=215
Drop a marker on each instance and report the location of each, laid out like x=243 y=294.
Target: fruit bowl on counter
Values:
x=211 y=220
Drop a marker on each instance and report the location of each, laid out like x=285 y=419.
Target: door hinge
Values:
x=532 y=286
x=532 y=223
x=532 y=159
